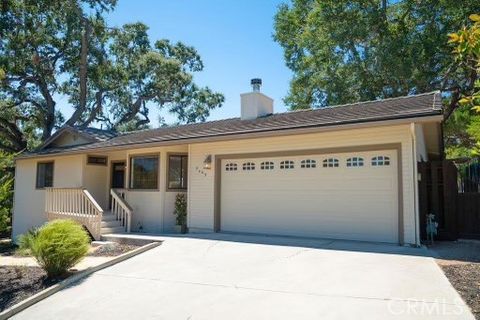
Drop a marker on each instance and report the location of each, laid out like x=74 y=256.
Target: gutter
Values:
x=427 y=117
x=415 y=183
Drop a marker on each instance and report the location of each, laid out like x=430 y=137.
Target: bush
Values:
x=25 y=242
x=181 y=209
x=59 y=245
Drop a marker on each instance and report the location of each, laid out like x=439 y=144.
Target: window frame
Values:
x=130 y=168
x=334 y=163
x=97 y=163
x=287 y=165
x=249 y=166
x=231 y=166
x=380 y=161
x=37 y=186
x=355 y=162
x=175 y=154
x=308 y=164
x=267 y=165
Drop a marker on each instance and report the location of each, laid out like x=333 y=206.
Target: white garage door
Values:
x=341 y=196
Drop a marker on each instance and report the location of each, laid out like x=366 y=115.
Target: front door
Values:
x=118 y=175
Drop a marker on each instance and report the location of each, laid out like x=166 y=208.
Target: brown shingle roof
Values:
x=427 y=104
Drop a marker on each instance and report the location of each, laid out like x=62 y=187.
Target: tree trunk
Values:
x=82 y=75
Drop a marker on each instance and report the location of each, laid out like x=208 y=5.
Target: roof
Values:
x=421 y=105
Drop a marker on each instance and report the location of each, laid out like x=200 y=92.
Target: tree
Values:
x=464 y=125
x=346 y=51
x=51 y=49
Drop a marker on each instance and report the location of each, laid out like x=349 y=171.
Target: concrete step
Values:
x=107 y=230
x=108 y=217
x=111 y=223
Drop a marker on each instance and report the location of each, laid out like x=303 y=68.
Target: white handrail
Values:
x=121 y=210
x=77 y=204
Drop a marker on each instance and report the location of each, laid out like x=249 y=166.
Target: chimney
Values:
x=255 y=104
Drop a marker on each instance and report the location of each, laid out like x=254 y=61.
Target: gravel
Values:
x=460 y=261
x=112 y=250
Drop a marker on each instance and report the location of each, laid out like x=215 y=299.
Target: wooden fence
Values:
x=457 y=213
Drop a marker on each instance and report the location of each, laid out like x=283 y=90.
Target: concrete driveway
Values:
x=248 y=277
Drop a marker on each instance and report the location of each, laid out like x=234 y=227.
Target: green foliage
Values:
x=59 y=245
x=65 y=50
x=26 y=242
x=345 y=51
x=6 y=192
x=181 y=209
x=466 y=120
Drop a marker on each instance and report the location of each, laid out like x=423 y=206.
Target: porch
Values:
x=78 y=204
x=118 y=192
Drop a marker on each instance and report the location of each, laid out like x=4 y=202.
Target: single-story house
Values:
x=341 y=172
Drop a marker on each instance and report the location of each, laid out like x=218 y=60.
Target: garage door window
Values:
x=330 y=163
x=231 y=167
x=380 y=161
x=247 y=166
x=267 y=165
x=308 y=163
x=287 y=164
x=355 y=162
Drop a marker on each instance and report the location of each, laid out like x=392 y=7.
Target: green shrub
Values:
x=181 y=209
x=59 y=245
x=25 y=242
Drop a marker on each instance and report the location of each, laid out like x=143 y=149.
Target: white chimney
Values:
x=255 y=104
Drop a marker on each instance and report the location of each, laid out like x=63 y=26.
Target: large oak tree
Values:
x=343 y=51
x=64 y=49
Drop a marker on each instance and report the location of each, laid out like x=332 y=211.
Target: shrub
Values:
x=181 y=209
x=25 y=242
x=59 y=245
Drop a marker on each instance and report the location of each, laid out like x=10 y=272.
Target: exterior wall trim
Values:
x=390 y=146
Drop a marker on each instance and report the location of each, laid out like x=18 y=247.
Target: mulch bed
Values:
x=460 y=261
x=17 y=283
x=112 y=250
x=465 y=278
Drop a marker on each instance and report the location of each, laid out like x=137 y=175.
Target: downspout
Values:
x=415 y=182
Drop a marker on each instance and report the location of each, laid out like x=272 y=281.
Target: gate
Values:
x=451 y=191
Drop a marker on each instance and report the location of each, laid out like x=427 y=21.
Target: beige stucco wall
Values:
x=30 y=202
x=95 y=179
x=153 y=209
x=201 y=185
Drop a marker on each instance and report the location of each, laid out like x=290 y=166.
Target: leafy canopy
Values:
x=463 y=129
x=52 y=50
x=346 y=51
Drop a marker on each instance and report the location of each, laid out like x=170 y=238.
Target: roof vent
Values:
x=255 y=104
x=256 y=84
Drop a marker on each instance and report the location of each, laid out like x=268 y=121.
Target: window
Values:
x=308 y=163
x=177 y=171
x=247 y=166
x=330 y=163
x=267 y=165
x=144 y=172
x=380 y=161
x=44 y=175
x=231 y=167
x=355 y=162
x=97 y=160
x=286 y=164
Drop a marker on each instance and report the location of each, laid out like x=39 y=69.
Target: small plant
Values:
x=25 y=242
x=59 y=245
x=181 y=211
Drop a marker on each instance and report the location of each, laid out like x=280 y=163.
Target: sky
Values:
x=233 y=38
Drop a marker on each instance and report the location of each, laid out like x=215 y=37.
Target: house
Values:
x=343 y=172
